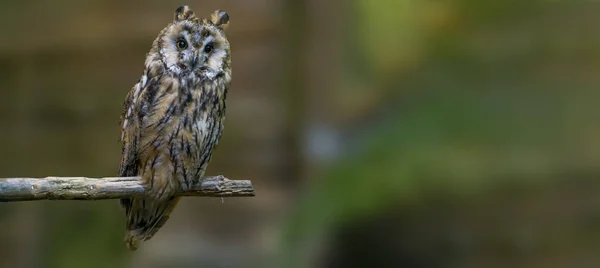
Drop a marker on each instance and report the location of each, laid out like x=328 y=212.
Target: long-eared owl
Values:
x=173 y=117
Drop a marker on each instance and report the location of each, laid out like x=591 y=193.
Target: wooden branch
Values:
x=82 y=188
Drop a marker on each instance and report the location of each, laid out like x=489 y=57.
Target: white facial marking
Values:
x=215 y=63
x=208 y=40
x=171 y=60
x=212 y=73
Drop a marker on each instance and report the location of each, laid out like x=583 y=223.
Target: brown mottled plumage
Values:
x=173 y=117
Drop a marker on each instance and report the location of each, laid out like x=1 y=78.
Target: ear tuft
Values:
x=220 y=19
x=184 y=13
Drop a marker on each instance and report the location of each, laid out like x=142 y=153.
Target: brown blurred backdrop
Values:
x=378 y=133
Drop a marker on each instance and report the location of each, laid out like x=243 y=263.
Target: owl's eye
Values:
x=208 y=48
x=181 y=44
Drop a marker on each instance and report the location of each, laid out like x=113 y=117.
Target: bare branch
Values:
x=82 y=188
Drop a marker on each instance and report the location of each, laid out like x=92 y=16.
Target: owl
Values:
x=173 y=117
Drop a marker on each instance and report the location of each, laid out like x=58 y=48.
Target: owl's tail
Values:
x=145 y=217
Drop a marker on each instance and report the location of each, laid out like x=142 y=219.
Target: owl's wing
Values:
x=129 y=139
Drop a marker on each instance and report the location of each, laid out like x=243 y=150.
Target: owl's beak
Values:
x=199 y=67
x=194 y=62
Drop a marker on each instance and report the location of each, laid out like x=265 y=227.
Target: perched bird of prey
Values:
x=173 y=117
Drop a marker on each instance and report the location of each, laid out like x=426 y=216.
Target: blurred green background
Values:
x=386 y=133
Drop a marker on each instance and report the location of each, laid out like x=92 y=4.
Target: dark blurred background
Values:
x=380 y=133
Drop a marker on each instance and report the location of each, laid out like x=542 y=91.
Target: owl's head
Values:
x=191 y=46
